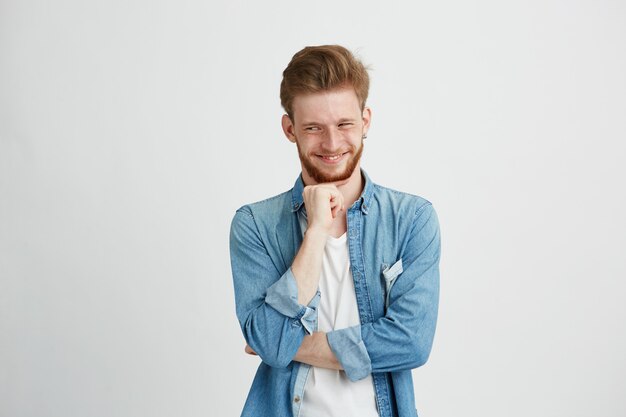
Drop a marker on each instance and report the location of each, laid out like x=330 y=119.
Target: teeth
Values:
x=332 y=158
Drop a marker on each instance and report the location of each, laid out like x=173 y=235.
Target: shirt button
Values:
x=297 y=399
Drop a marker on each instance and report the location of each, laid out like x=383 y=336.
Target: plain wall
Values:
x=130 y=132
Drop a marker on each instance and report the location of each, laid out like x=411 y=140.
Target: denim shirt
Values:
x=394 y=246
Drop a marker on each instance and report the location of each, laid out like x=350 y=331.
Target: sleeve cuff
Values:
x=283 y=297
x=348 y=347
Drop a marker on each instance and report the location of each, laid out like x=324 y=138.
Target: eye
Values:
x=312 y=128
x=346 y=125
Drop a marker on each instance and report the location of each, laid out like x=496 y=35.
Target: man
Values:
x=336 y=280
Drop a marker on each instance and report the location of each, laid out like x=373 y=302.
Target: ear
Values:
x=367 y=118
x=288 y=128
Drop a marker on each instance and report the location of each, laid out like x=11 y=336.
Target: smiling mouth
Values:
x=331 y=158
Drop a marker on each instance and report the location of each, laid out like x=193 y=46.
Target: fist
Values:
x=323 y=204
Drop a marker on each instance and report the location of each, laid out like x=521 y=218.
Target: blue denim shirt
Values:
x=394 y=246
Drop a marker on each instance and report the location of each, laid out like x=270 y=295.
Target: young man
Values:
x=336 y=280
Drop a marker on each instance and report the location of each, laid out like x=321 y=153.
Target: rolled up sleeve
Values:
x=348 y=347
x=283 y=297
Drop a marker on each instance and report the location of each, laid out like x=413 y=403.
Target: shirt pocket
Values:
x=390 y=274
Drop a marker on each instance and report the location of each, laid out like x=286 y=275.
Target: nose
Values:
x=332 y=139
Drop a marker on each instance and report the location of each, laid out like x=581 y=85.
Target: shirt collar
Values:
x=361 y=203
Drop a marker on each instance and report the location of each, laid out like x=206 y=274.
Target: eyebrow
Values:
x=344 y=120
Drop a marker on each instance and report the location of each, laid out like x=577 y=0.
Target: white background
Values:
x=130 y=131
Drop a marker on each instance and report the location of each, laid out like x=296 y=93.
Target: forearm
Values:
x=271 y=319
x=316 y=351
x=307 y=264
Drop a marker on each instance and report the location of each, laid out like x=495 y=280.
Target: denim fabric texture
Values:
x=394 y=246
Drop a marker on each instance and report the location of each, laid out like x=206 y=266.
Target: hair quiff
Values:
x=322 y=68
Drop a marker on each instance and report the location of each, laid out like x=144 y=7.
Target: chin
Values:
x=320 y=176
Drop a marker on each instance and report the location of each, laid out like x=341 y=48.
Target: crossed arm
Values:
x=278 y=323
x=314 y=351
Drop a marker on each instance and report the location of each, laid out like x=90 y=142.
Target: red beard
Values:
x=321 y=177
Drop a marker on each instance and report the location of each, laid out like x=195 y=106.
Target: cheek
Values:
x=305 y=145
x=353 y=137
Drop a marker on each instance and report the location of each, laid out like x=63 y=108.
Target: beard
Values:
x=321 y=177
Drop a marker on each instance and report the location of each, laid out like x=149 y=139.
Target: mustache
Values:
x=328 y=152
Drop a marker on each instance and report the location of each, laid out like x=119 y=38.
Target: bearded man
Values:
x=336 y=280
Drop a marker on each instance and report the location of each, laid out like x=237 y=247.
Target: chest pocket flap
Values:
x=390 y=274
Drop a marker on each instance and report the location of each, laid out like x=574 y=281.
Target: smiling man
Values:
x=336 y=280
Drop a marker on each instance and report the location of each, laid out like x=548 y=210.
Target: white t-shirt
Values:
x=329 y=393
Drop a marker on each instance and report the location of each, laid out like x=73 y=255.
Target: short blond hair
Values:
x=322 y=68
